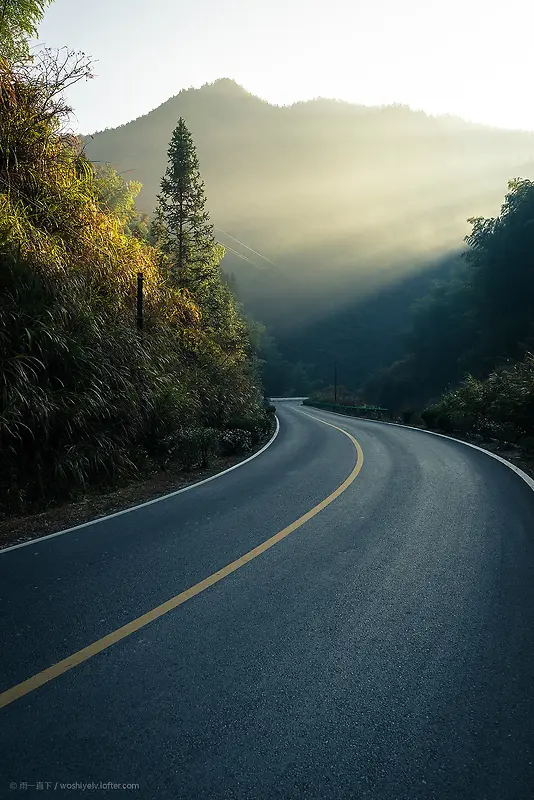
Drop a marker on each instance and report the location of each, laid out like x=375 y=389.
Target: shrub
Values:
x=527 y=443
x=255 y=427
x=191 y=447
x=235 y=441
x=500 y=407
x=429 y=417
x=209 y=445
x=444 y=423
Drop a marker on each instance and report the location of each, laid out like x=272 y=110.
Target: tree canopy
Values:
x=18 y=23
x=480 y=316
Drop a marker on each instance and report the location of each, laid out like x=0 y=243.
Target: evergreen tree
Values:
x=181 y=228
x=181 y=217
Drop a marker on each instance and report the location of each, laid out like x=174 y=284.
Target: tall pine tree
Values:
x=182 y=229
x=181 y=217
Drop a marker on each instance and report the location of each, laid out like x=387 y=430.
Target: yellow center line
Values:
x=29 y=685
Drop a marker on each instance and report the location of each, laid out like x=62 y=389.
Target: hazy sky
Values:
x=468 y=57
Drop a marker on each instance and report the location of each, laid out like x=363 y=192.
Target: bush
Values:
x=191 y=447
x=500 y=407
x=444 y=423
x=429 y=417
x=209 y=445
x=527 y=444
x=181 y=447
x=256 y=427
x=235 y=441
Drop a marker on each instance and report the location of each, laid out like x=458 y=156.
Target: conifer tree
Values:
x=181 y=213
x=182 y=229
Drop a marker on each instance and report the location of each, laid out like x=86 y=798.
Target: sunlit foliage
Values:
x=18 y=22
x=85 y=398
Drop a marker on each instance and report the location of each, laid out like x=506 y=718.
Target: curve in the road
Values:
x=25 y=687
x=518 y=471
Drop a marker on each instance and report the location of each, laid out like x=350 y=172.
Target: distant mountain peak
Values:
x=227 y=85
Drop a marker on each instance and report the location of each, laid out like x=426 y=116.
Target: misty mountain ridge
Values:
x=343 y=198
x=229 y=88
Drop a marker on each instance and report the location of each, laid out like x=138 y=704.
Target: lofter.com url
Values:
x=76 y=786
x=96 y=785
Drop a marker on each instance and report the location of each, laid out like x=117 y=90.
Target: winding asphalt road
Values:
x=383 y=649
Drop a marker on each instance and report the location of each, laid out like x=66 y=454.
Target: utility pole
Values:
x=335 y=381
x=140 y=301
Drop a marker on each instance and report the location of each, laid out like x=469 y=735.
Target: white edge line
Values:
x=148 y=502
x=528 y=480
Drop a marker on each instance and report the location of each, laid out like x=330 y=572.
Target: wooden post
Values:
x=140 y=301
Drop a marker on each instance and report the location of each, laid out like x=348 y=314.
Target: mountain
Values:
x=343 y=199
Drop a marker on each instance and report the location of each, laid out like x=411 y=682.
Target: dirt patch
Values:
x=16 y=530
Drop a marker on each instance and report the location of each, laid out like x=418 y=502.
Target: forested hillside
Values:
x=357 y=208
x=478 y=321
x=94 y=389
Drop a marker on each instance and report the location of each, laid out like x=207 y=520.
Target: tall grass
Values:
x=85 y=399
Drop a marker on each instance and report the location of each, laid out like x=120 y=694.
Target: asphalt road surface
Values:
x=383 y=648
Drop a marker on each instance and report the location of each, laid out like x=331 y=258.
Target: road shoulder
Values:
x=95 y=505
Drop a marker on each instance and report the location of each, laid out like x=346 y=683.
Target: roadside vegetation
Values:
x=469 y=366
x=88 y=399
x=501 y=407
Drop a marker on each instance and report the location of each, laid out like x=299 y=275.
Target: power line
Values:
x=42 y=207
x=245 y=258
x=246 y=245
